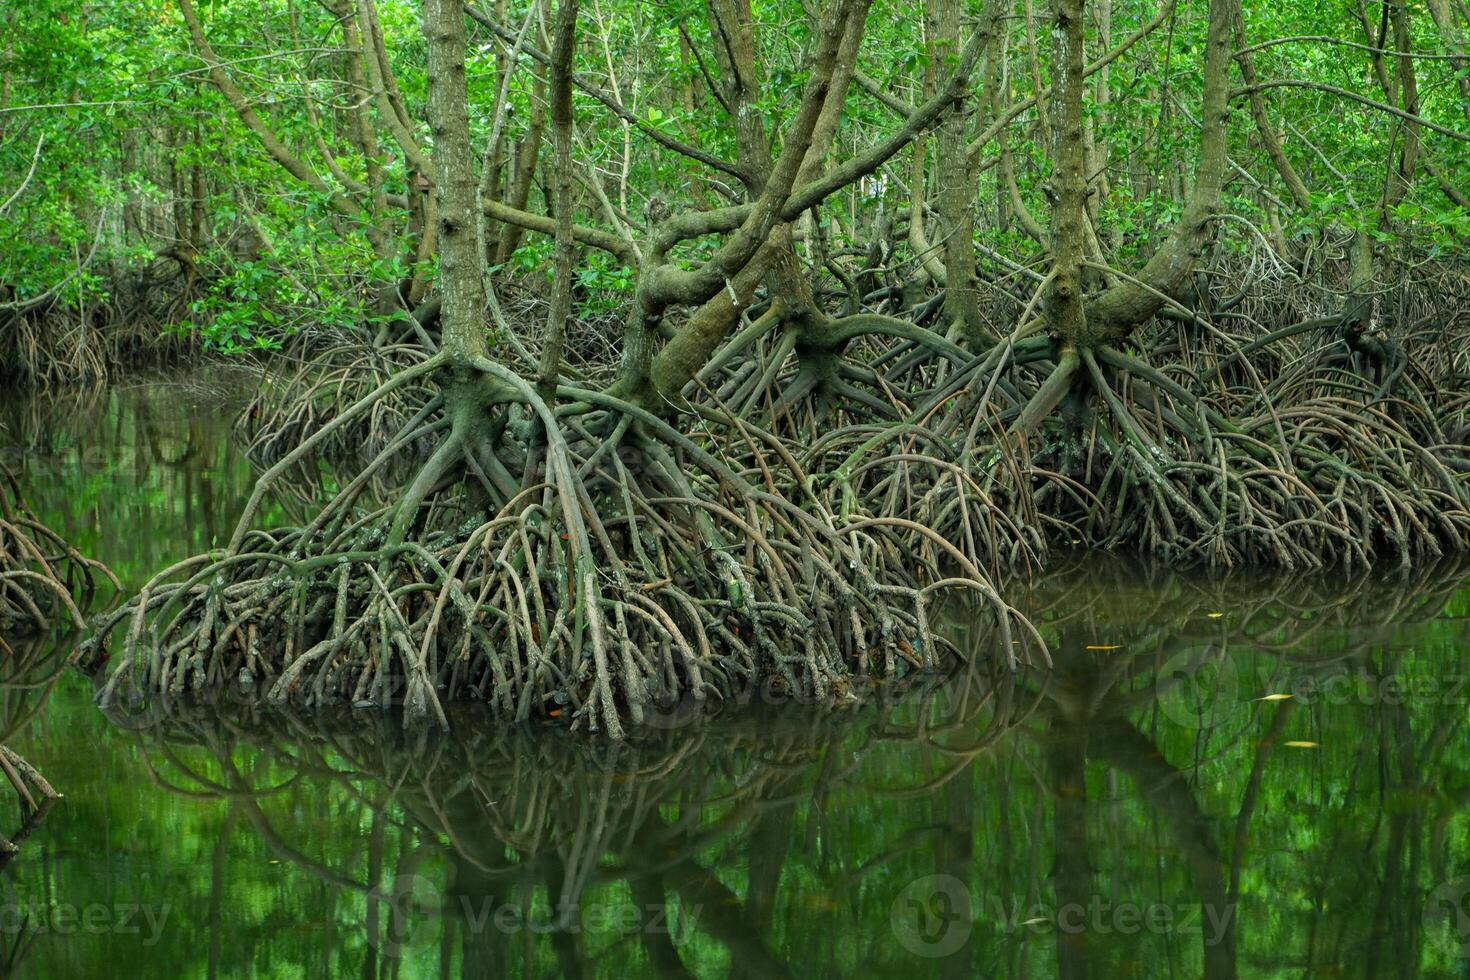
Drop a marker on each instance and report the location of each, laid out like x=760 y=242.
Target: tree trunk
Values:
x=456 y=182
x=955 y=175
x=561 y=127
x=1064 y=305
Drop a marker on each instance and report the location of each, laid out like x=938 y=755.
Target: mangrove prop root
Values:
x=43 y=580
x=617 y=577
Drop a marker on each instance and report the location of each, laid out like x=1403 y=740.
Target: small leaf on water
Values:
x=1276 y=697
x=1104 y=646
x=1302 y=745
x=1215 y=615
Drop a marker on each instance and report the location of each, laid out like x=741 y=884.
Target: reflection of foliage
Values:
x=1118 y=630
x=140 y=474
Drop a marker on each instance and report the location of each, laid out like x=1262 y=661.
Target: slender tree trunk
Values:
x=456 y=181
x=1065 y=313
x=1122 y=307
x=1452 y=38
x=958 y=188
x=524 y=174
x=1264 y=129
x=561 y=127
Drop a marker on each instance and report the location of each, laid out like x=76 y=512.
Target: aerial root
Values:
x=282 y=414
x=621 y=573
x=1028 y=446
x=1302 y=485
x=43 y=579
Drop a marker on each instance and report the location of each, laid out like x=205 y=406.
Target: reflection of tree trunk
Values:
x=955 y=856
x=1120 y=745
x=658 y=944
x=471 y=900
x=1067 y=762
x=769 y=837
x=1396 y=921
x=216 y=887
x=374 y=880
x=1252 y=792
x=710 y=905
x=564 y=920
x=717 y=911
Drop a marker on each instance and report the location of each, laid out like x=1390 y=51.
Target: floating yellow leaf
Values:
x=1104 y=646
x=1276 y=697
x=1302 y=745
x=1214 y=615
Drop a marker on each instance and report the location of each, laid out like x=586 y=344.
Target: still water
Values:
x=1223 y=776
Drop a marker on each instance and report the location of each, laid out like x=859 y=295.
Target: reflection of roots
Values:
x=628 y=567
x=39 y=572
x=29 y=669
x=557 y=795
x=34 y=793
x=1150 y=611
x=573 y=814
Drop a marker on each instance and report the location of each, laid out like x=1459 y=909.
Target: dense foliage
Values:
x=142 y=167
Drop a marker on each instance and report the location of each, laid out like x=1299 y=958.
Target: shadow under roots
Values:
x=630 y=565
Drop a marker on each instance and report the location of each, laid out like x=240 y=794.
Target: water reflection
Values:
x=29 y=669
x=138 y=476
x=1154 y=805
